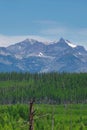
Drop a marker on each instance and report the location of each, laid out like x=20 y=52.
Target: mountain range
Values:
x=35 y=56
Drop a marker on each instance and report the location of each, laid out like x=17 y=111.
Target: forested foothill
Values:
x=52 y=88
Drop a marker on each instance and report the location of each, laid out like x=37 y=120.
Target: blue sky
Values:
x=48 y=19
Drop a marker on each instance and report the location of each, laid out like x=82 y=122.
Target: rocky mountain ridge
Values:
x=34 y=56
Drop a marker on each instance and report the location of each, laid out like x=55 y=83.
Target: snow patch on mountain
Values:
x=5 y=61
x=4 y=53
x=20 y=67
x=70 y=44
x=18 y=57
x=41 y=54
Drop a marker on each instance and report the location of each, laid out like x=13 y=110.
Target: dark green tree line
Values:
x=45 y=87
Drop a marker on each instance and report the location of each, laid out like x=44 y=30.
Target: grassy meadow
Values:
x=50 y=117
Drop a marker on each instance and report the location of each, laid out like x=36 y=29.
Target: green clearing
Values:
x=65 y=117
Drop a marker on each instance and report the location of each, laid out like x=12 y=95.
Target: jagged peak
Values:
x=62 y=40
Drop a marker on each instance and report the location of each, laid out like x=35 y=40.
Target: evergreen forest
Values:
x=49 y=88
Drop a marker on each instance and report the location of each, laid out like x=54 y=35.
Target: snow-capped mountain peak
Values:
x=62 y=40
x=35 y=56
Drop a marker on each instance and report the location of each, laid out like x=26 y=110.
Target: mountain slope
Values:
x=34 y=56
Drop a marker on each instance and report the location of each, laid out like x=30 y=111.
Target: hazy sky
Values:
x=49 y=19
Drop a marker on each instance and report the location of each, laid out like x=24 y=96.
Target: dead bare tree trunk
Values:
x=31 y=115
